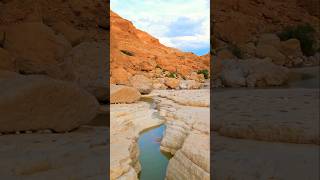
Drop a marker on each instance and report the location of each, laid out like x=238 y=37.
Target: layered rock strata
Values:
x=187 y=118
x=127 y=121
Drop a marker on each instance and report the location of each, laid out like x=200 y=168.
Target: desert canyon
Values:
x=55 y=93
x=153 y=85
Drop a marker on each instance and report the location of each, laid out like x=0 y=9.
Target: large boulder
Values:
x=120 y=76
x=172 y=83
x=37 y=47
x=263 y=73
x=269 y=39
x=37 y=102
x=269 y=51
x=292 y=50
x=189 y=84
x=233 y=77
x=253 y=73
x=89 y=63
x=123 y=94
x=142 y=83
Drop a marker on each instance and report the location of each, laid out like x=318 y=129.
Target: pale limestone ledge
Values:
x=233 y=158
x=127 y=121
x=277 y=115
x=80 y=155
x=187 y=134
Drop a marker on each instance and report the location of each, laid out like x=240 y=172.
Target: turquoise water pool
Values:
x=153 y=161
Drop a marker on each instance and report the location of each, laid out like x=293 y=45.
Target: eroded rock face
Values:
x=187 y=127
x=127 y=121
x=37 y=102
x=123 y=94
x=191 y=162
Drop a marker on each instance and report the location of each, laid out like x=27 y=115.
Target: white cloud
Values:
x=162 y=19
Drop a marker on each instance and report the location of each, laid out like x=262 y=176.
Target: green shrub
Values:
x=128 y=53
x=205 y=73
x=172 y=75
x=304 y=33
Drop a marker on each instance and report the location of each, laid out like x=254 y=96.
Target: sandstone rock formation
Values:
x=142 y=83
x=134 y=51
x=36 y=102
x=172 y=83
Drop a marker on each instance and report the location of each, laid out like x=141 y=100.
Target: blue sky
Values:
x=182 y=24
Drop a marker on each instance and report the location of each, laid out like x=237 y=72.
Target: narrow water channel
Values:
x=153 y=161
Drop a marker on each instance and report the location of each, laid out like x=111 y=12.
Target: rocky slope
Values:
x=251 y=18
x=136 y=52
x=285 y=33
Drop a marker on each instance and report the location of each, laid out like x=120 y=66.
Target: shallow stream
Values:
x=153 y=161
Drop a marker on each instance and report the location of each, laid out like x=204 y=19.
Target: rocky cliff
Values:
x=134 y=52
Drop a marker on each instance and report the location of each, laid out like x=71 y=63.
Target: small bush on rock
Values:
x=172 y=75
x=205 y=73
x=304 y=33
